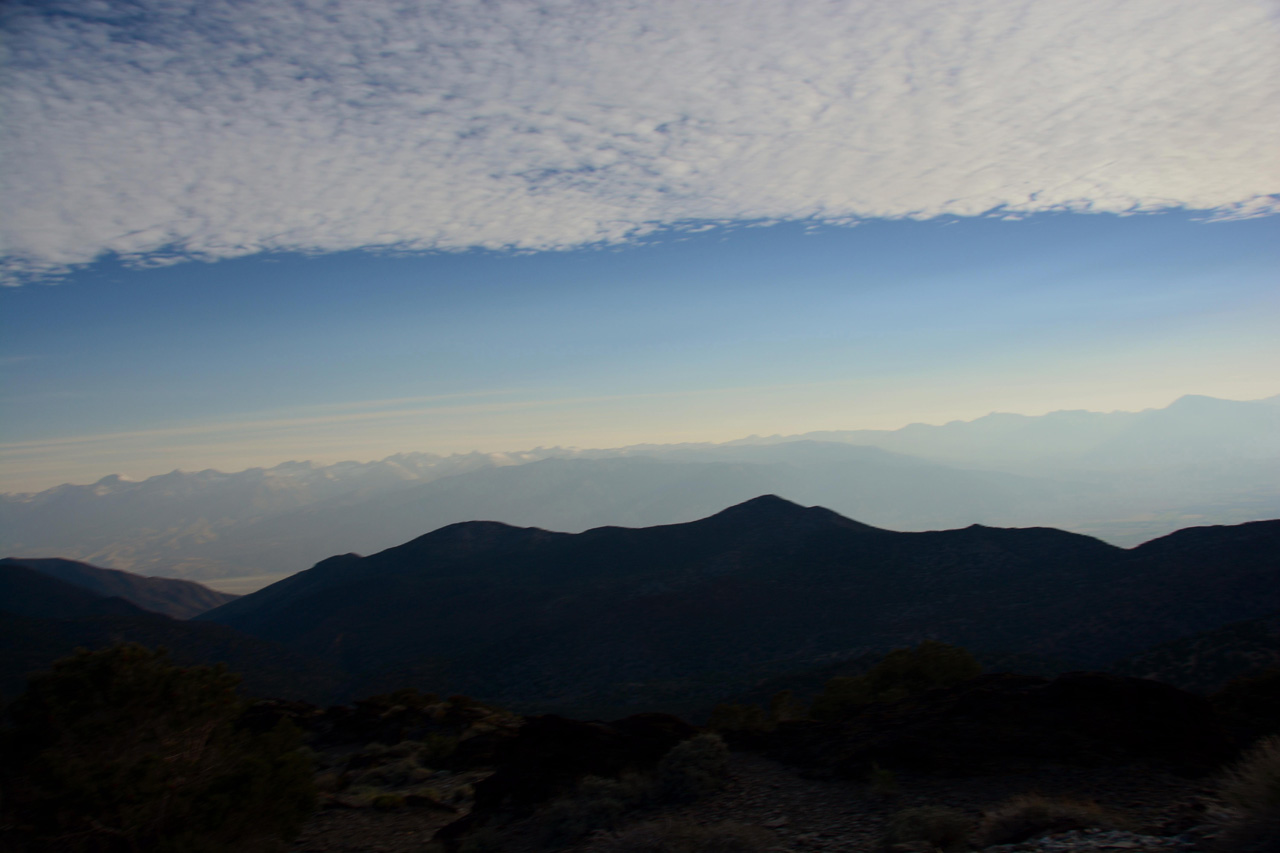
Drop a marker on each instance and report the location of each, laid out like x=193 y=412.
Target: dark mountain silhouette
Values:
x=44 y=618
x=677 y=616
x=25 y=591
x=172 y=597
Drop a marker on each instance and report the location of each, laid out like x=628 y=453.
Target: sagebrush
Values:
x=1251 y=790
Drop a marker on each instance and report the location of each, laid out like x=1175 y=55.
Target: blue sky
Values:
x=245 y=233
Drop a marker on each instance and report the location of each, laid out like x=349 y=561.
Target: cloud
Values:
x=167 y=129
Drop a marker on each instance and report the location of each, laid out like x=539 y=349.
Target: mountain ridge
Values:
x=615 y=619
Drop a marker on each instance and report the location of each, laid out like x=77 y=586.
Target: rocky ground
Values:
x=1163 y=812
x=849 y=817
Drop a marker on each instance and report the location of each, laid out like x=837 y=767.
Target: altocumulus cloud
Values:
x=168 y=129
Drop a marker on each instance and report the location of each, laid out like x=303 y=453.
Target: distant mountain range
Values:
x=675 y=617
x=1125 y=477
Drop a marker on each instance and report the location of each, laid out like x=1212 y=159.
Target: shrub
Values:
x=395 y=774
x=734 y=719
x=902 y=673
x=120 y=750
x=387 y=802
x=692 y=768
x=1251 y=789
x=689 y=769
x=595 y=804
x=1031 y=815
x=483 y=840
x=683 y=836
x=882 y=780
x=783 y=707
x=437 y=748
x=329 y=782
x=939 y=827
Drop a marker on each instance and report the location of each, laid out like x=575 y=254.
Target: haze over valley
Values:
x=1123 y=477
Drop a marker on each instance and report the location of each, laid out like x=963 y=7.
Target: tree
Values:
x=121 y=750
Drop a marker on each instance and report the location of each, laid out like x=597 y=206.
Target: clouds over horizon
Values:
x=171 y=129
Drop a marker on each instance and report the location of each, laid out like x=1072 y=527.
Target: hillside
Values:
x=177 y=598
x=43 y=618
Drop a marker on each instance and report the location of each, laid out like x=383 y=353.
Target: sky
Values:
x=239 y=233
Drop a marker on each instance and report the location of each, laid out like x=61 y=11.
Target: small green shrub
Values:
x=387 y=802
x=684 y=836
x=938 y=827
x=882 y=780
x=437 y=749
x=1031 y=816
x=1251 y=789
x=692 y=768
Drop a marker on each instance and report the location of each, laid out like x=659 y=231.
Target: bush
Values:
x=437 y=748
x=387 y=802
x=902 y=673
x=882 y=780
x=1251 y=789
x=939 y=827
x=595 y=804
x=1031 y=815
x=395 y=774
x=120 y=750
x=735 y=719
x=683 y=836
x=692 y=768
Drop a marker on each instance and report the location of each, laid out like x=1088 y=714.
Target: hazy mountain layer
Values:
x=615 y=619
x=1124 y=477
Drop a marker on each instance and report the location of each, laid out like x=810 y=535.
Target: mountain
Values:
x=177 y=598
x=44 y=618
x=1194 y=429
x=615 y=619
x=1125 y=477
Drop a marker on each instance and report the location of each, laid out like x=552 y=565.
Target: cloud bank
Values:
x=167 y=129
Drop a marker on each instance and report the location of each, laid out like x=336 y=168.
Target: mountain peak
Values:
x=771 y=509
x=765 y=505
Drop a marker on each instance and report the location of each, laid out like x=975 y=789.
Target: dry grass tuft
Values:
x=1031 y=816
